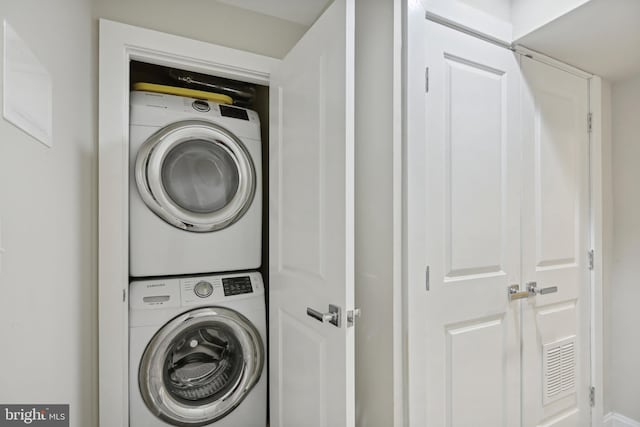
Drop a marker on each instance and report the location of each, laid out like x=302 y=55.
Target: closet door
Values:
x=555 y=247
x=464 y=351
x=311 y=226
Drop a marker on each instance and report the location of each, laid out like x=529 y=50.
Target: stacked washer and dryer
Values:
x=197 y=317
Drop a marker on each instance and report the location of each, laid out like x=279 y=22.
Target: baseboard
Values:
x=613 y=419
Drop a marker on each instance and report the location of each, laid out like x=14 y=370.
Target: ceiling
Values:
x=303 y=12
x=601 y=36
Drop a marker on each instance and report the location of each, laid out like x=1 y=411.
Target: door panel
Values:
x=555 y=246
x=301 y=240
x=471 y=223
x=484 y=341
x=556 y=179
x=302 y=347
x=473 y=242
x=311 y=225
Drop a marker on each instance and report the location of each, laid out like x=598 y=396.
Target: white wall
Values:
x=374 y=213
x=48 y=311
x=206 y=20
x=624 y=292
x=528 y=15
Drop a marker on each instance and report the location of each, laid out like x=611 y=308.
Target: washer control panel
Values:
x=210 y=289
x=236 y=285
x=201 y=105
x=203 y=289
x=174 y=292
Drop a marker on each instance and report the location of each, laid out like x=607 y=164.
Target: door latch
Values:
x=515 y=293
x=532 y=287
x=531 y=291
x=334 y=316
x=351 y=317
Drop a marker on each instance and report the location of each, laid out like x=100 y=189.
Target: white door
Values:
x=498 y=195
x=555 y=247
x=311 y=226
x=464 y=358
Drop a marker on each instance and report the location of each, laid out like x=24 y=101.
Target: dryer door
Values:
x=200 y=366
x=196 y=176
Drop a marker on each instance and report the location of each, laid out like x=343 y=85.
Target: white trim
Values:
x=397 y=146
x=120 y=43
x=551 y=61
x=613 y=419
x=430 y=16
x=596 y=231
x=470 y=18
x=414 y=134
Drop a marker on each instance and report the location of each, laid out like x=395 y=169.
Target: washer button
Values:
x=200 y=105
x=203 y=289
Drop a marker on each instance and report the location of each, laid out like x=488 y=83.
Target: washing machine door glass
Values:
x=200 y=366
x=196 y=176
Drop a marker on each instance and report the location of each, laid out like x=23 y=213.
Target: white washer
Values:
x=197 y=351
x=195 y=186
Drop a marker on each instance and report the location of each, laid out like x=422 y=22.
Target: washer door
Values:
x=196 y=176
x=200 y=366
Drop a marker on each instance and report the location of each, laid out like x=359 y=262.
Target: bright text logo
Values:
x=34 y=415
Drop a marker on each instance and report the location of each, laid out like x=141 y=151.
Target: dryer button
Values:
x=203 y=289
x=200 y=105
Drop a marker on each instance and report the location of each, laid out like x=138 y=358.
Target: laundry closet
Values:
x=318 y=190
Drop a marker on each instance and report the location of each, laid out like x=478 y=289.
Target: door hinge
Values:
x=124 y=295
x=592 y=396
x=591 y=255
x=427 y=278
x=426 y=80
x=589 y=122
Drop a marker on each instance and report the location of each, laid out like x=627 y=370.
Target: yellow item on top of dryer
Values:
x=181 y=91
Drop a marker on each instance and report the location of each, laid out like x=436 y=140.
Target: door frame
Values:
x=413 y=129
x=119 y=44
x=597 y=138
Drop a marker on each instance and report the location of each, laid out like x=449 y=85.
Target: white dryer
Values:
x=197 y=352
x=195 y=186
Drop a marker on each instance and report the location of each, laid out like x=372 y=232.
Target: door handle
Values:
x=515 y=293
x=334 y=316
x=532 y=287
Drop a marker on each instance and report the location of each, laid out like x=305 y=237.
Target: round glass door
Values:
x=200 y=366
x=196 y=176
x=200 y=176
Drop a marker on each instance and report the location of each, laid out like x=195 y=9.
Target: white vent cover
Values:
x=559 y=369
